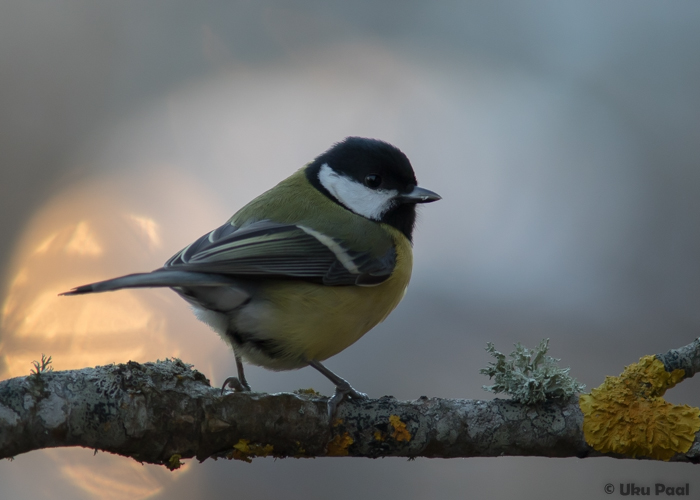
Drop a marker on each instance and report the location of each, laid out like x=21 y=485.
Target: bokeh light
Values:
x=561 y=135
x=99 y=229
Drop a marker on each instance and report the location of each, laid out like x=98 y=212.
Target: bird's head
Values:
x=370 y=178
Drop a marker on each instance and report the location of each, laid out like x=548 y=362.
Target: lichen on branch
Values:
x=166 y=412
x=529 y=376
x=628 y=414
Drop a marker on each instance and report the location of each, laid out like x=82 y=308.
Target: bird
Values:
x=304 y=270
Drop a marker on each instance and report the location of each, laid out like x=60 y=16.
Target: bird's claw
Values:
x=235 y=384
x=342 y=392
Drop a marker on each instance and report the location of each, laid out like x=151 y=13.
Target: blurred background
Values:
x=563 y=136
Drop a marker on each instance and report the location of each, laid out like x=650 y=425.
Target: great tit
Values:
x=305 y=269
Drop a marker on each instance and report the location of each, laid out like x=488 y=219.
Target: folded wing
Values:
x=268 y=249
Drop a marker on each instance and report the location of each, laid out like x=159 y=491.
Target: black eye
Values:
x=373 y=181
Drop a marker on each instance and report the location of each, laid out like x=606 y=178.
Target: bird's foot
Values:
x=236 y=384
x=343 y=391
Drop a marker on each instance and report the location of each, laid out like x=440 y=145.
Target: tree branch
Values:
x=166 y=411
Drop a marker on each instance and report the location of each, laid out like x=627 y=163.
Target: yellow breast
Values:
x=315 y=322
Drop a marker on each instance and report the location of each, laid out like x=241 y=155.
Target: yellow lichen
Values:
x=174 y=462
x=400 y=431
x=260 y=450
x=301 y=451
x=238 y=455
x=628 y=415
x=378 y=436
x=244 y=450
x=308 y=392
x=242 y=446
x=338 y=446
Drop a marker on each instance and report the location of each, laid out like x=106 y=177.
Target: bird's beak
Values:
x=419 y=195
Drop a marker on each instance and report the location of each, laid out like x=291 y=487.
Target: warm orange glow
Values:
x=83 y=241
x=108 y=478
x=46 y=244
x=63 y=247
x=85 y=331
x=104 y=330
x=149 y=228
x=86 y=235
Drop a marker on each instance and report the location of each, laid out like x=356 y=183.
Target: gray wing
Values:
x=268 y=249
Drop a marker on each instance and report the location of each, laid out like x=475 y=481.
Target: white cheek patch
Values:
x=369 y=203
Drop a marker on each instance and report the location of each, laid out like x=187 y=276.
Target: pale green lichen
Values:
x=42 y=366
x=529 y=375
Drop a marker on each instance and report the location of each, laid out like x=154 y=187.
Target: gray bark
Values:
x=160 y=412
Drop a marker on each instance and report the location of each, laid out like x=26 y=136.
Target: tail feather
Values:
x=160 y=278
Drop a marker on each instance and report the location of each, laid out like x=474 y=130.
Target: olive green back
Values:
x=296 y=201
